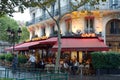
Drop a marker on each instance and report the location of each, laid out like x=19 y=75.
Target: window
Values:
x=52 y=8
x=33 y=34
x=113 y=4
x=43 y=12
x=109 y=45
x=33 y=17
x=114 y=27
x=68 y=27
x=43 y=31
x=53 y=29
x=89 y=21
x=119 y=45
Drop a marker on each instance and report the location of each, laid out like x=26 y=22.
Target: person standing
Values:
x=14 y=62
x=32 y=60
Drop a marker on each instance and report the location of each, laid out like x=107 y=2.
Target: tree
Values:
x=6 y=22
x=25 y=34
x=9 y=6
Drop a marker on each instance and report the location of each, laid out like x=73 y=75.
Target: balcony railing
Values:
x=66 y=8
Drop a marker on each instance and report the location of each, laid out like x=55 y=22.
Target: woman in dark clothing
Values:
x=14 y=63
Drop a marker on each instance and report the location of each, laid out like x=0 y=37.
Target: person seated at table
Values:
x=65 y=66
x=70 y=63
x=42 y=64
x=75 y=67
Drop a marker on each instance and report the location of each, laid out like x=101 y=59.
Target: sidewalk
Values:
x=70 y=77
x=94 y=77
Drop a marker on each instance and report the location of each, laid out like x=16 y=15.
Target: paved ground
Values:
x=70 y=77
x=94 y=77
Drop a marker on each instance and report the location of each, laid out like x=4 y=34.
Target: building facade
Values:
x=103 y=19
x=4 y=45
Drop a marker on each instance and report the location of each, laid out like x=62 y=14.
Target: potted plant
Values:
x=8 y=58
x=2 y=58
x=22 y=59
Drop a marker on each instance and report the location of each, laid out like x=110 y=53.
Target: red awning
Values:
x=27 y=45
x=67 y=44
x=81 y=44
x=9 y=49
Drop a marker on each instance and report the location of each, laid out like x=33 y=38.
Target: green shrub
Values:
x=2 y=56
x=97 y=59
x=22 y=58
x=106 y=60
x=9 y=57
x=113 y=60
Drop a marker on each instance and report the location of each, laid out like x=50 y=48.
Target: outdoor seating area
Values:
x=71 y=66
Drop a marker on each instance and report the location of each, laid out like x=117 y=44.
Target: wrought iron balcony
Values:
x=66 y=8
x=46 y=16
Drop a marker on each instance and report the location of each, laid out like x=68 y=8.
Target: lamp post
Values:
x=13 y=35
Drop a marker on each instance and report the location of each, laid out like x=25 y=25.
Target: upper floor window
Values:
x=33 y=17
x=53 y=31
x=68 y=27
x=53 y=28
x=89 y=21
x=33 y=34
x=114 y=4
x=43 y=31
x=53 y=8
x=114 y=27
x=43 y=12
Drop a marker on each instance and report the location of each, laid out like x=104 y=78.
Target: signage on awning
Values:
x=88 y=35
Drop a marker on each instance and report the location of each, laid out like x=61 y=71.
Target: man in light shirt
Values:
x=32 y=59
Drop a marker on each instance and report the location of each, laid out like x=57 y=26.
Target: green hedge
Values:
x=22 y=58
x=2 y=56
x=9 y=57
x=106 y=60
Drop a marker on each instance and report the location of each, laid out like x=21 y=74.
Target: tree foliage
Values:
x=9 y=6
x=24 y=35
x=6 y=22
x=12 y=6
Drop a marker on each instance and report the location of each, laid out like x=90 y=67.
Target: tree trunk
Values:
x=59 y=40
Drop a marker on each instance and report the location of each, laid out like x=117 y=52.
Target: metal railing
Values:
x=66 y=8
x=38 y=74
x=31 y=74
